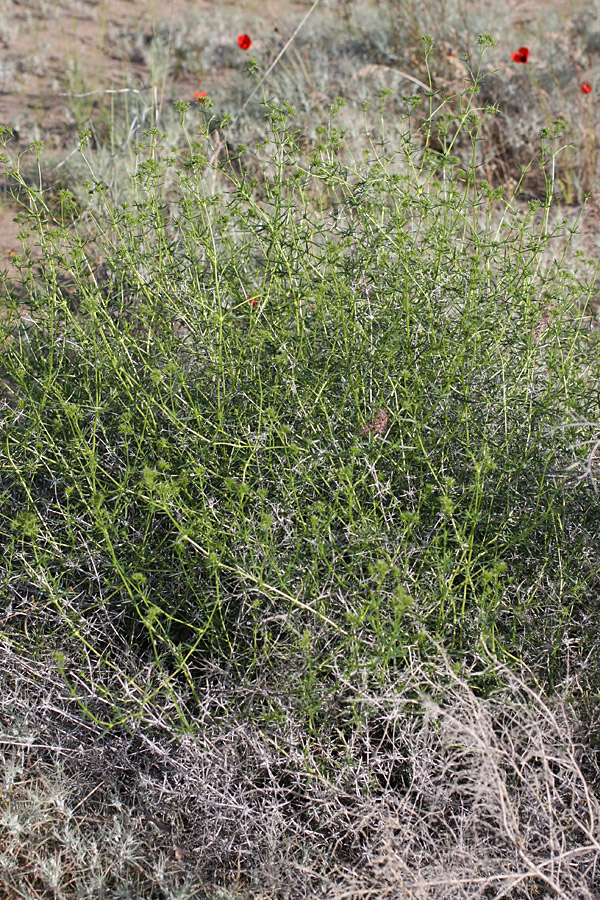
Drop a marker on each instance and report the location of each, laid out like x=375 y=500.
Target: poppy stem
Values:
x=271 y=67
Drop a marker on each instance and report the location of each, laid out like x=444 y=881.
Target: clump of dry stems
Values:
x=434 y=792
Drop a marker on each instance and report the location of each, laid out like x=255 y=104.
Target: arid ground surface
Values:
x=52 y=51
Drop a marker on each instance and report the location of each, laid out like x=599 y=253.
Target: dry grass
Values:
x=436 y=791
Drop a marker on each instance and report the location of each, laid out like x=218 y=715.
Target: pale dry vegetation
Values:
x=424 y=790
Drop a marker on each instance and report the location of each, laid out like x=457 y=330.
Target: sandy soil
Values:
x=50 y=47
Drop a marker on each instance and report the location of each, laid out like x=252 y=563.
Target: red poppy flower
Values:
x=244 y=41
x=253 y=300
x=521 y=56
x=201 y=96
x=586 y=87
